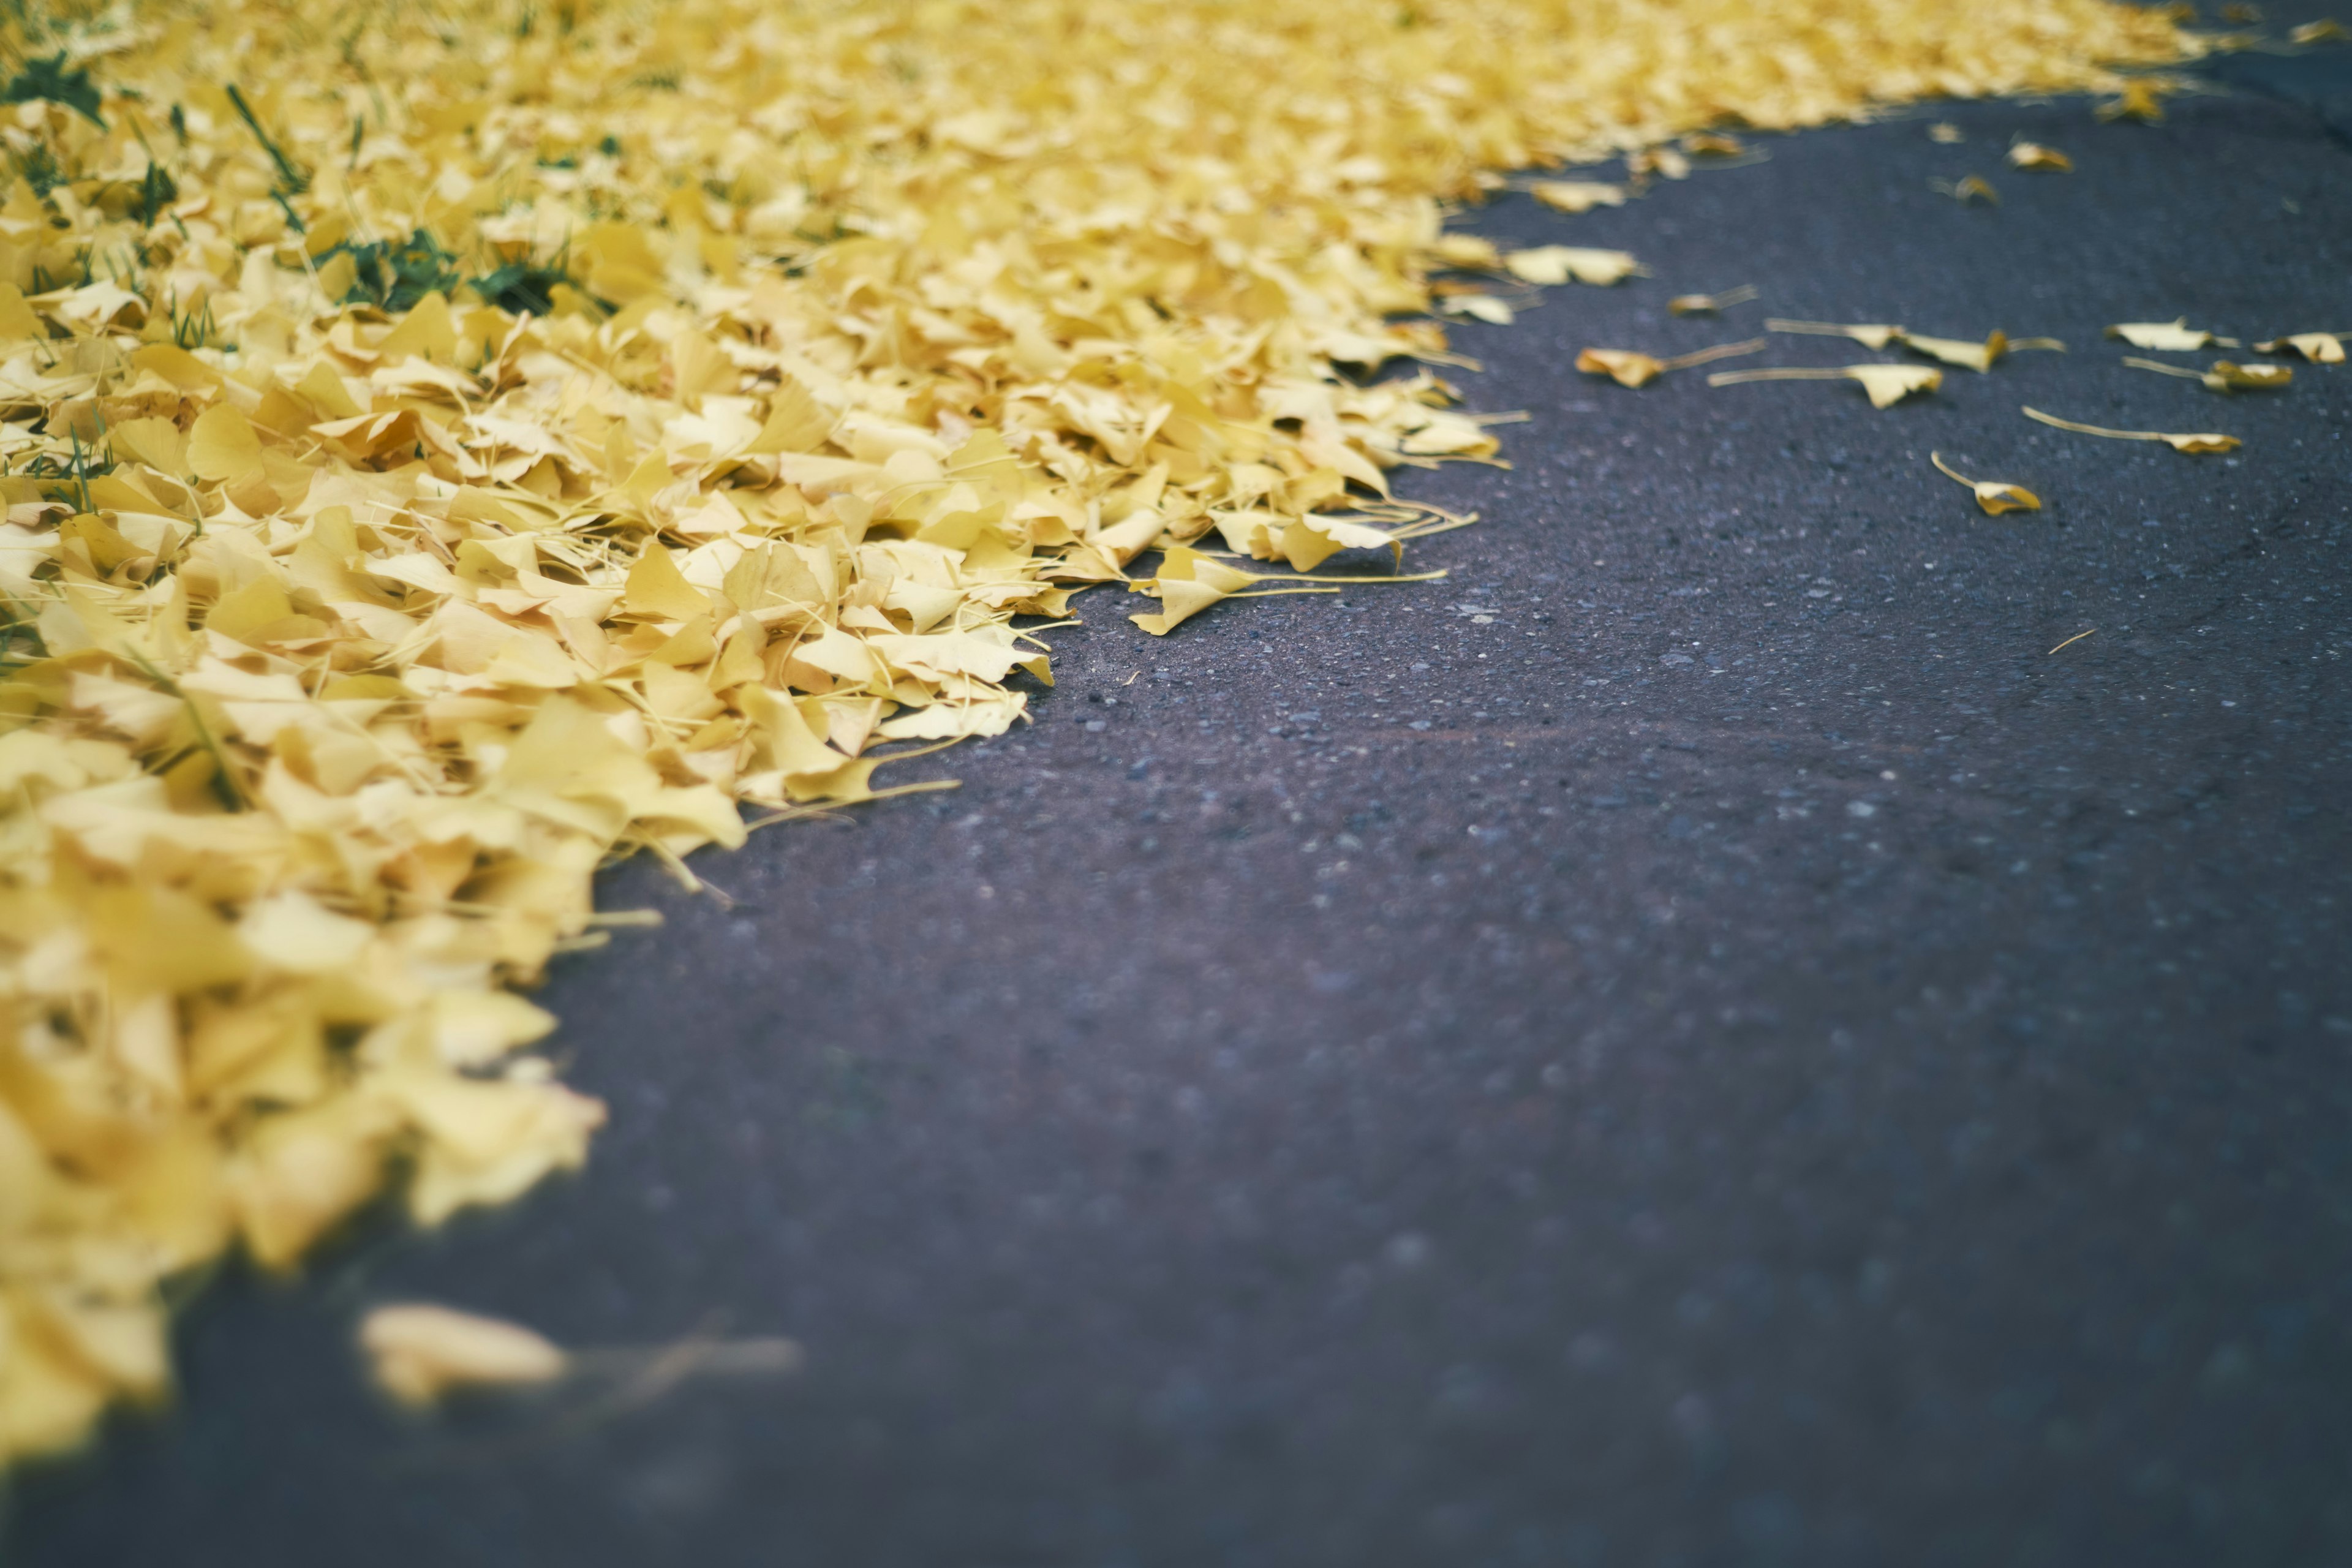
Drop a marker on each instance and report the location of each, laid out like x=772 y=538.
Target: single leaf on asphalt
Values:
x=2319 y=348
x=2251 y=377
x=1869 y=337
x=1886 y=385
x=2316 y=32
x=2034 y=155
x=1979 y=357
x=2139 y=101
x=1947 y=133
x=1968 y=188
x=2196 y=444
x=1994 y=496
x=2225 y=376
x=1628 y=368
x=1483 y=307
x=2175 y=336
x=1576 y=195
x=419 y=1352
x=1708 y=304
x=1570 y=263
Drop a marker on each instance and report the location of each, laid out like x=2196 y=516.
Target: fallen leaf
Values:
x=2034 y=155
x=1869 y=337
x=1886 y=385
x=1708 y=304
x=2318 y=348
x=419 y=1352
x=1554 y=264
x=2175 y=336
x=2194 y=444
x=1968 y=188
x=2225 y=376
x=1947 y=133
x=1628 y=368
x=1956 y=350
x=1576 y=195
x=1994 y=495
x=2327 y=27
x=2138 y=101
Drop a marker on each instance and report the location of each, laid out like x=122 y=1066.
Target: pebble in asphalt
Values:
x=1697 y=1039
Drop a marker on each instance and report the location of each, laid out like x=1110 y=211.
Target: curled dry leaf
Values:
x=1968 y=188
x=2318 y=348
x=1551 y=264
x=2139 y=101
x=1886 y=385
x=2034 y=155
x=419 y=1352
x=1189 y=581
x=2225 y=376
x=1624 y=367
x=1978 y=357
x=1869 y=337
x=1708 y=304
x=1576 y=195
x=1994 y=495
x=2201 y=444
x=2175 y=336
x=630 y=425
x=1627 y=368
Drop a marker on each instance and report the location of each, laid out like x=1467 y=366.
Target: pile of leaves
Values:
x=446 y=449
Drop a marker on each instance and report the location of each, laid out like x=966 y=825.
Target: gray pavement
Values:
x=1697 y=1041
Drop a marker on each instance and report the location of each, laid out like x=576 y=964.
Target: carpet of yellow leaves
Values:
x=446 y=447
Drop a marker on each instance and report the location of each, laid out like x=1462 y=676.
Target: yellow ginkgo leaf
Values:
x=1708 y=304
x=2138 y=102
x=1886 y=385
x=1189 y=581
x=221 y=445
x=1565 y=263
x=1628 y=368
x=1624 y=367
x=1958 y=351
x=2252 y=377
x=1968 y=188
x=419 y=1352
x=2319 y=348
x=1869 y=337
x=2034 y=155
x=2175 y=336
x=1714 y=144
x=1994 y=496
x=2200 y=443
x=1576 y=195
x=2225 y=376
x=1946 y=132
x=1480 y=308
x=2316 y=32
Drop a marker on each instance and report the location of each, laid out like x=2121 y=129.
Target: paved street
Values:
x=1697 y=1039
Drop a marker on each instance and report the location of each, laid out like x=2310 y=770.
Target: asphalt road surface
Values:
x=1698 y=1039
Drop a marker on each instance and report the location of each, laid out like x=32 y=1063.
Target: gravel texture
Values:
x=1698 y=1039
